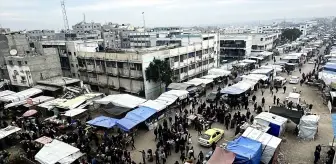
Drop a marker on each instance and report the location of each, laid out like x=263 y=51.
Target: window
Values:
x=19 y=63
x=78 y=75
x=74 y=53
x=261 y=39
x=14 y=77
x=23 y=78
x=72 y=65
x=76 y=65
x=73 y=75
x=10 y=62
x=176 y=58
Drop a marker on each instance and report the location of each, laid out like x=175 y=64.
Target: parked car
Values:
x=211 y=136
x=294 y=80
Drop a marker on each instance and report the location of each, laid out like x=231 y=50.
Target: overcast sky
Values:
x=47 y=14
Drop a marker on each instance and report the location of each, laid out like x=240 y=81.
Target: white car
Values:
x=294 y=80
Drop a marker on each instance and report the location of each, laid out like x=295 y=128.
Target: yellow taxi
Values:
x=211 y=136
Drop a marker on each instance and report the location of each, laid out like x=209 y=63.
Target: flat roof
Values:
x=58 y=81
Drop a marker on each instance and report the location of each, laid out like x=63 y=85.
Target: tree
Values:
x=159 y=71
x=291 y=34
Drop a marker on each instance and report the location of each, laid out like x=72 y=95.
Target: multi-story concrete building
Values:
x=26 y=69
x=263 y=42
x=86 y=30
x=116 y=36
x=142 y=39
x=42 y=35
x=125 y=72
x=235 y=46
x=67 y=53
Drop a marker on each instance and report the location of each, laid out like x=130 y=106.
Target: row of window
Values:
x=192 y=54
x=113 y=64
x=10 y=62
x=79 y=27
x=193 y=66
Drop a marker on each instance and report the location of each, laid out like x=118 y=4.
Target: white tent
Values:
x=50 y=104
x=269 y=143
x=157 y=105
x=198 y=81
x=122 y=100
x=6 y=92
x=168 y=99
x=254 y=77
x=23 y=95
x=210 y=77
x=294 y=97
x=265 y=119
x=217 y=71
x=57 y=151
x=8 y=131
x=243 y=85
x=248 y=61
x=39 y=100
x=308 y=126
x=181 y=94
x=74 y=112
x=263 y=71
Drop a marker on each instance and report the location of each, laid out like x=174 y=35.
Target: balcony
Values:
x=124 y=72
x=112 y=71
x=136 y=74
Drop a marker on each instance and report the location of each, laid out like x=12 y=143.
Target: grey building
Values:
x=26 y=69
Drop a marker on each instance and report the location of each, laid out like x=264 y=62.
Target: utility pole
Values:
x=143 y=18
x=65 y=18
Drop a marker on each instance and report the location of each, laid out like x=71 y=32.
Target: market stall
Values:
x=20 y=96
x=122 y=100
x=292 y=115
x=270 y=144
x=218 y=71
x=221 y=156
x=246 y=150
x=8 y=131
x=308 y=127
x=103 y=121
x=157 y=105
x=58 y=152
x=276 y=124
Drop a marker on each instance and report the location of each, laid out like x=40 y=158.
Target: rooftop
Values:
x=59 y=81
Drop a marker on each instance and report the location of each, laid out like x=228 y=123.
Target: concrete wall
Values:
x=4 y=51
x=19 y=42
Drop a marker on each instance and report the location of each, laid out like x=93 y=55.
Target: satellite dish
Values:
x=13 y=52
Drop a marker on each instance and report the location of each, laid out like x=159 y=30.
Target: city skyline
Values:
x=38 y=14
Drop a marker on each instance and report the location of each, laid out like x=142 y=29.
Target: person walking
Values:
x=262 y=92
x=263 y=101
x=274 y=98
x=316 y=156
x=284 y=89
x=278 y=101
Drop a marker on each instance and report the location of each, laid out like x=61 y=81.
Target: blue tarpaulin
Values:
x=247 y=151
x=232 y=90
x=330 y=67
x=103 y=121
x=143 y=112
x=333 y=119
x=135 y=117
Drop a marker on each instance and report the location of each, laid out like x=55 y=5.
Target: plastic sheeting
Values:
x=293 y=115
x=218 y=71
x=135 y=117
x=39 y=100
x=168 y=99
x=246 y=150
x=269 y=143
x=123 y=100
x=275 y=122
x=232 y=90
x=20 y=96
x=143 y=112
x=198 y=81
x=327 y=76
x=51 y=104
x=54 y=152
x=308 y=126
x=6 y=92
x=264 y=71
x=74 y=112
x=181 y=94
x=8 y=131
x=221 y=156
x=157 y=105
x=103 y=121
x=75 y=102
x=127 y=123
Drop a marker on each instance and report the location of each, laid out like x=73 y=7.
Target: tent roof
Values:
x=232 y=90
x=262 y=71
x=210 y=76
x=270 y=117
x=44 y=140
x=123 y=100
x=54 y=152
x=6 y=92
x=294 y=95
x=265 y=138
x=246 y=150
x=103 y=121
x=8 y=131
x=248 y=61
x=182 y=94
x=221 y=156
x=39 y=100
x=333 y=120
x=50 y=104
x=293 y=115
x=203 y=81
x=74 y=112
x=143 y=112
x=218 y=71
x=19 y=96
x=168 y=99
x=157 y=105
x=179 y=86
x=127 y=124
x=75 y=102
x=115 y=110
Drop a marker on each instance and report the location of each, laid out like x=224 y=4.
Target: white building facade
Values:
x=235 y=46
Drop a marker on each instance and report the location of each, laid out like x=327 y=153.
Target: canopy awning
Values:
x=6 y=92
x=123 y=100
x=51 y=104
x=74 y=112
x=232 y=90
x=246 y=150
x=221 y=156
x=168 y=99
x=115 y=110
x=103 y=121
x=46 y=88
x=263 y=71
x=218 y=71
x=210 y=77
x=179 y=86
x=157 y=105
x=39 y=100
x=8 y=131
x=75 y=102
x=19 y=96
x=333 y=120
x=293 y=115
x=44 y=140
x=181 y=94
x=55 y=152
